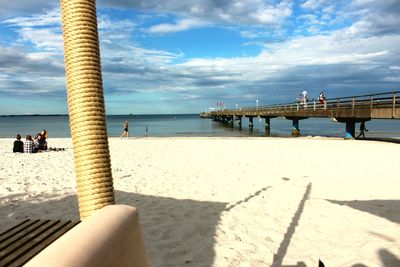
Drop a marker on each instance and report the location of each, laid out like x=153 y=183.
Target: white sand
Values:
x=232 y=201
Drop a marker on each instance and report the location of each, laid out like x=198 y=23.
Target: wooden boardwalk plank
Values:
x=22 y=242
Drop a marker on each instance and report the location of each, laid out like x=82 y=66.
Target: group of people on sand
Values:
x=31 y=145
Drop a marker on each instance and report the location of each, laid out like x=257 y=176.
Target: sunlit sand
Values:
x=231 y=201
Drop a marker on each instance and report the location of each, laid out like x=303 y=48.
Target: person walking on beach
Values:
x=28 y=146
x=362 y=130
x=126 y=126
x=18 y=145
x=146 y=133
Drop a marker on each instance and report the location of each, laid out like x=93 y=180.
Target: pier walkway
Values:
x=349 y=110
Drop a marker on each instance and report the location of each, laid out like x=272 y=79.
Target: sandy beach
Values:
x=231 y=201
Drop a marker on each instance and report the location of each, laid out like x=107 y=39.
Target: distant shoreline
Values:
x=34 y=115
x=174 y=125
x=319 y=137
x=129 y=115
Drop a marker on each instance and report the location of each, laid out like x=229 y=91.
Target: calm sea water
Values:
x=191 y=125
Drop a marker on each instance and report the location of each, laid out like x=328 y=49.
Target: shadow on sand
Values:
x=388 y=209
x=280 y=254
x=178 y=232
x=387 y=258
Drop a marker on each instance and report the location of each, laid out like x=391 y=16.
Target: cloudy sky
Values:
x=177 y=56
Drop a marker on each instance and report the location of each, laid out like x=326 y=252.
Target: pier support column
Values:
x=295 y=127
x=267 y=125
x=251 y=122
x=240 y=121
x=350 y=125
x=295 y=124
x=350 y=130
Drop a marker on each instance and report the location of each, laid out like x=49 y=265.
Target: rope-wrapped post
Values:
x=86 y=105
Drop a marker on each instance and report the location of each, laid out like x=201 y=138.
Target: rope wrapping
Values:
x=86 y=105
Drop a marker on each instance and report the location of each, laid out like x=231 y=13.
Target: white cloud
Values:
x=44 y=38
x=353 y=56
x=235 y=12
x=42 y=30
x=313 y=4
x=329 y=9
x=44 y=19
x=105 y=23
x=376 y=17
x=395 y=79
x=338 y=51
x=310 y=17
x=273 y=14
x=181 y=25
x=18 y=7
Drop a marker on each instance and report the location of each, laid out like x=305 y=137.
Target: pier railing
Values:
x=381 y=105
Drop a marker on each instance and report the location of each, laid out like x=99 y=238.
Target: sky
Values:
x=174 y=56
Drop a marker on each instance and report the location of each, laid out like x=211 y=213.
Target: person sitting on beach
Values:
x=44 y=134
x=28 y=146
x=40 y=143
x=18 y=145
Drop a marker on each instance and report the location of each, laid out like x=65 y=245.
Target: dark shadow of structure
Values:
x=280 y=254
x=171 y=226
x=247 y=198
x=388 y=259
x=388 y=209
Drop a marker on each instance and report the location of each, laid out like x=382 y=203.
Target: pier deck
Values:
x=349 y=110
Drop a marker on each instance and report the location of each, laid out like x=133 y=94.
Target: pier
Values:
x=348 y=110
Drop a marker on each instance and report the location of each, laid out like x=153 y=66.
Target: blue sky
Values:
x=184 y=56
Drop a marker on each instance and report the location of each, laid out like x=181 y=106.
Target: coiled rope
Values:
x=86 y=105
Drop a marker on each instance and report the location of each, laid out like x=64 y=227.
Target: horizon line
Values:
x=130 y=114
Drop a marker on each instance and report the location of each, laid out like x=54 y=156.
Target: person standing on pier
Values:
x=322 y=98
x=362 y=130
x=303 y=99
x=126 y=126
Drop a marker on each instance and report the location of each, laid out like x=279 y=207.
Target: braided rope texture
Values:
x=86 y=105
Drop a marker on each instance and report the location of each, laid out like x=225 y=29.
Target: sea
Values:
x=191 y=125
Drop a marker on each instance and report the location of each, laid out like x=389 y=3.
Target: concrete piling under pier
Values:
x=295 y=127
x=251 y=124
x=267 y=125
x=350 y=130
